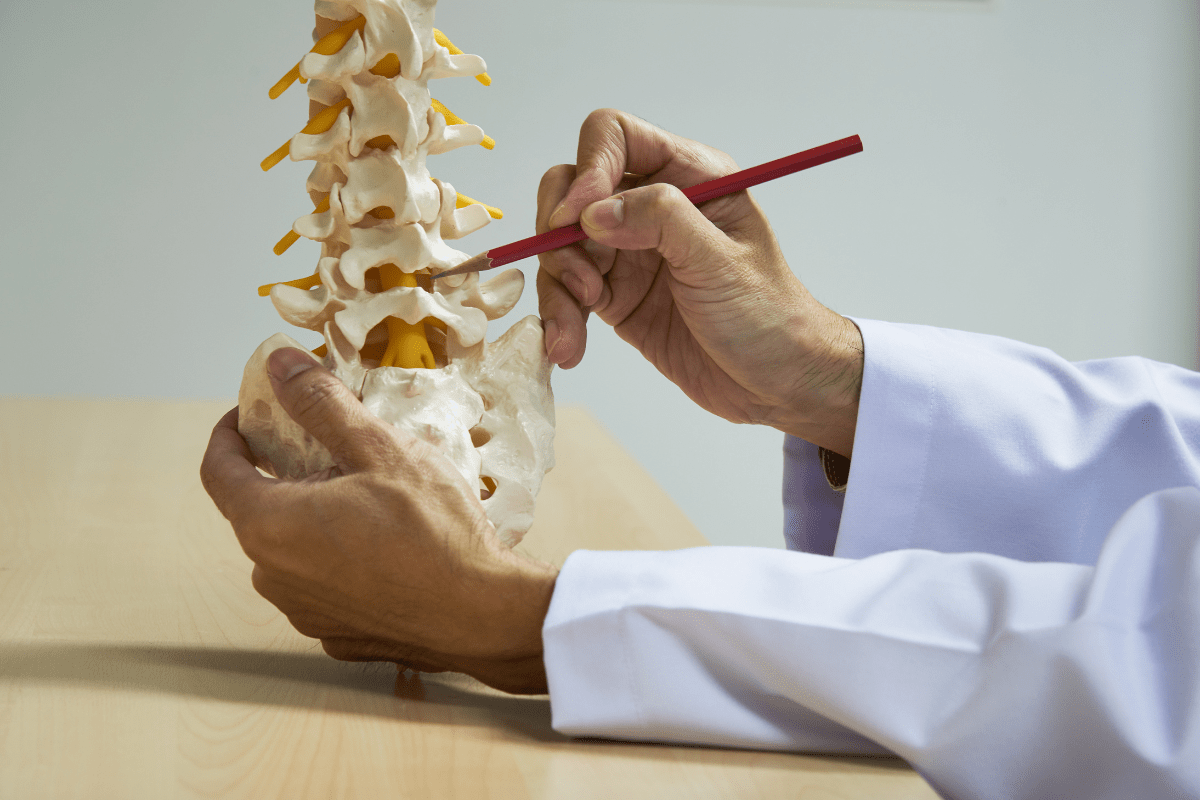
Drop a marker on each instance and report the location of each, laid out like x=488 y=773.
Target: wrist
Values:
x=509 y=648
x=823 y=408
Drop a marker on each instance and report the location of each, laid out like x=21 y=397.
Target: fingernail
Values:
x=288 y=362
x=576 y=287
x=604 y=215
x=553 y=335
x=557 y=216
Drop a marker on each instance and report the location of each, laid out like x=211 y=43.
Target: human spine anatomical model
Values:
x=413 y=349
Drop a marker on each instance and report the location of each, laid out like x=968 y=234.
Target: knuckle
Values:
x=706 y=161
x=661 y=202
x=314 y=395
x=548 y=288
x=307 y=625
x=256 y=543
x=668 y=210
x=557 y=175
x=721 y=162
x=602 y=142
x=260 y=581
x=211 y=485
x=378 y=443
x=340 y=649
x=662 y=195
x=262 y=529
x=315 y=408
x=206 y=467
x=270 y=588
x=550 y=266
x=606 y=296
x=602 y=117
x=559 y=306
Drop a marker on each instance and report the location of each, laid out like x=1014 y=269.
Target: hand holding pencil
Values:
x=703 y=292
x=700 y=193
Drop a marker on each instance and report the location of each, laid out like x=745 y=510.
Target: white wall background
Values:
x=1031 y=170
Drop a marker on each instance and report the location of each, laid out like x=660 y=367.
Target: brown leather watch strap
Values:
x=837 y=469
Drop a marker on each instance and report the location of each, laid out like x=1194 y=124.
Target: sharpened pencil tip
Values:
x=473 y=264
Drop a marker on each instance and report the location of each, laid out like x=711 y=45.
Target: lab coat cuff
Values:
x=686 y=646
x=891 y=441
x=591 y=688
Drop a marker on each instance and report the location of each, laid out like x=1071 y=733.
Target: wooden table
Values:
x=136 y=661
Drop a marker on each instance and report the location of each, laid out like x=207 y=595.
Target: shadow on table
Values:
x=294 y=680
x=315 y=681
x=763 y=760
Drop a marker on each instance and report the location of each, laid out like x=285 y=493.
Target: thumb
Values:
x=322 y=405
x=660 y=217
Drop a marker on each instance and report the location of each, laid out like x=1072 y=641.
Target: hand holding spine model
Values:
x=414 y=350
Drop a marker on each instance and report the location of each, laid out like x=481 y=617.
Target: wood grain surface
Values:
x=136 y=661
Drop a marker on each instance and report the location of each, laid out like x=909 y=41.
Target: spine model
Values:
x=413 y=349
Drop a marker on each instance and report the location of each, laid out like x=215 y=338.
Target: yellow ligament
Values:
x=441 y=39
x=453 y=119
x=407 y=345
x=286 y=242
x=389 y=66
x=463 y=201
x=328 y=44
x=291 y=237
x=320 y=123
x=299 y=283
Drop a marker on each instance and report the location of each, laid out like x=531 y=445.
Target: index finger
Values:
x=228 y=472
x=613 y=143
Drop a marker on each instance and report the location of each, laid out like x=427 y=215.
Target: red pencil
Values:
x=718 y=187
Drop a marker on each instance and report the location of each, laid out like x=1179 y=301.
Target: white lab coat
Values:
x=1012 y=603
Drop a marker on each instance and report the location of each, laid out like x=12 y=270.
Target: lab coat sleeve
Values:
x=994 y=678
x=973 y=443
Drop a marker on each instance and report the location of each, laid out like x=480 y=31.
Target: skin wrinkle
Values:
x=665 y=210
x=650 y=297
x=312 y=396
x=845 y=380
x=630 y=137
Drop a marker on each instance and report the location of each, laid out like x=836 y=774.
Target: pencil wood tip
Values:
x=473 y=264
